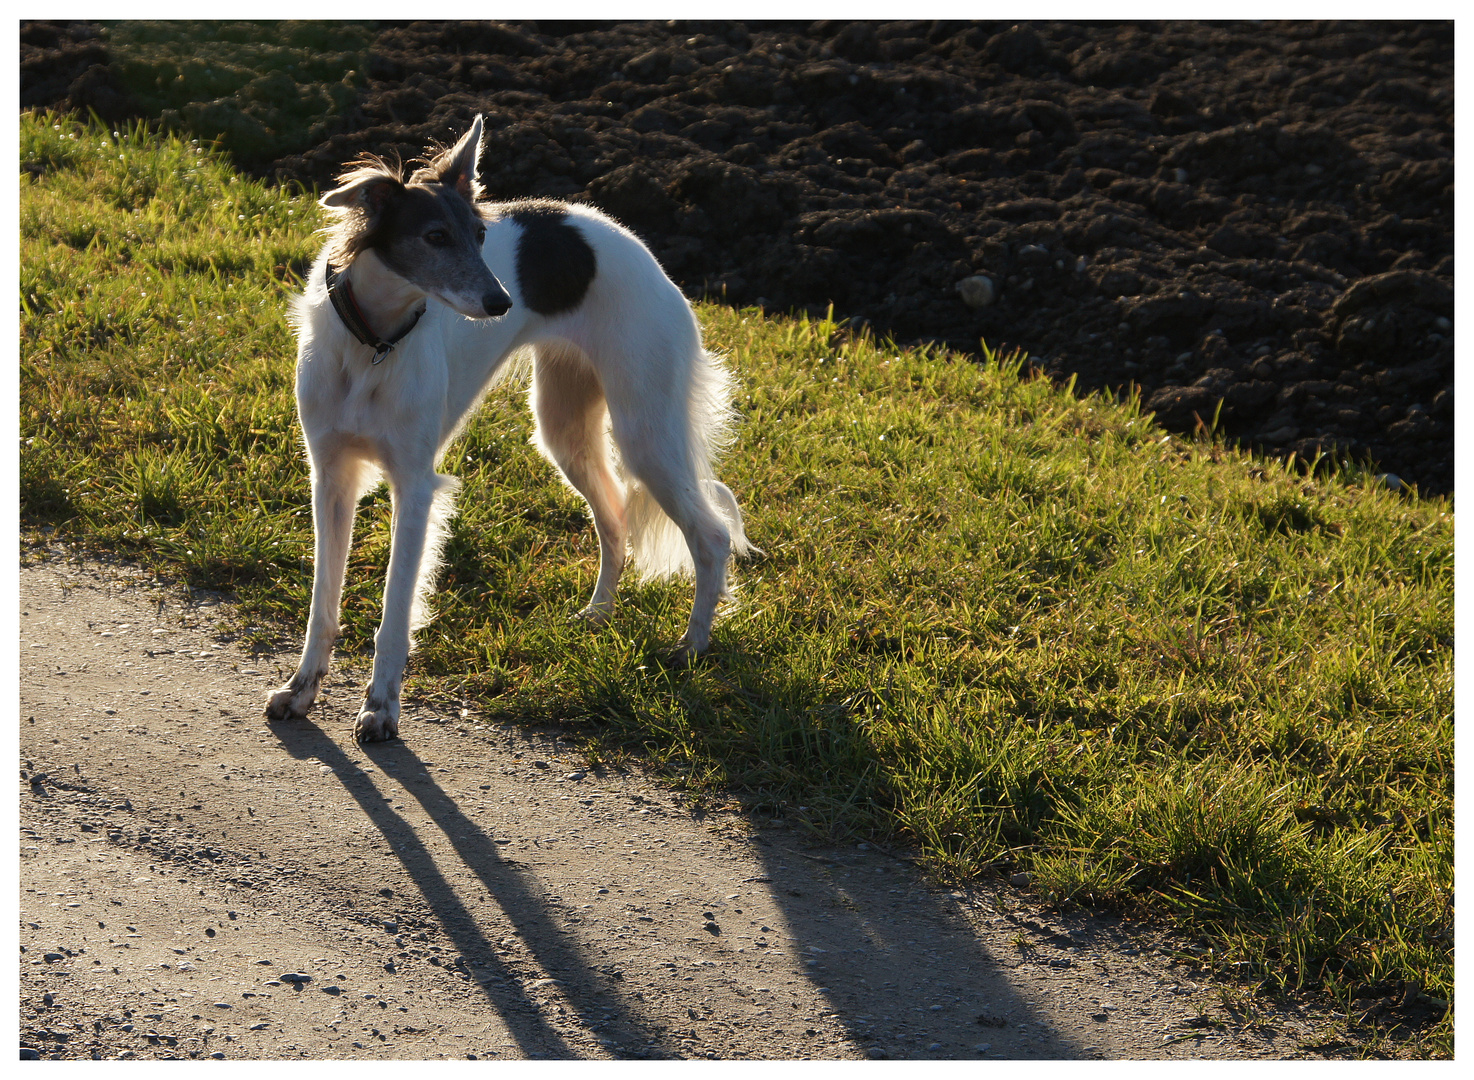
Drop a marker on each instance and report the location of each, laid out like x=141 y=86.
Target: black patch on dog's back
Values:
x=554 y=262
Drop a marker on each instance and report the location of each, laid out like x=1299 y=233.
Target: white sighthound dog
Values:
x=627 y=403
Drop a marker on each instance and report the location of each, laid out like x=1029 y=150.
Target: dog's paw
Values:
x=683 y=654
x=293 y=700
x=285 y=705
x=591 y=616
x=376 y=724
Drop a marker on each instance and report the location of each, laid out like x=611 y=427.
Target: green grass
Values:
x=1012 y=628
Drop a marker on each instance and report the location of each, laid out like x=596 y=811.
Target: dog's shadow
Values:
x=597 y=1002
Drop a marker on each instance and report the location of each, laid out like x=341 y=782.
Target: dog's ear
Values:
x=458 y=167
x=368 y=192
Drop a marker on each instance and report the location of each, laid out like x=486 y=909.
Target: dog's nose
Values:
x=496 y=303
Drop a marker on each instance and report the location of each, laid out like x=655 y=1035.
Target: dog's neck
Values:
x=384 y=298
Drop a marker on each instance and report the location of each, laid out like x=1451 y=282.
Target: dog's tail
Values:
x=657 y=547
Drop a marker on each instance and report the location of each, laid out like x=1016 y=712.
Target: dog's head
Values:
x=427 y=229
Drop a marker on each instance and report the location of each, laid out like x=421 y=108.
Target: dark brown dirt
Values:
x=1256 y=218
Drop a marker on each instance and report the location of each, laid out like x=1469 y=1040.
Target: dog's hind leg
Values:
x=666 y=474
x=572 y=418
x=422 y=504
x=337 y=482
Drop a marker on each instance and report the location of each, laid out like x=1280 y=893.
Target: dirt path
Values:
x=196 y=883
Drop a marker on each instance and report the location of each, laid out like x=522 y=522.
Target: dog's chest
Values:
x=346 y=394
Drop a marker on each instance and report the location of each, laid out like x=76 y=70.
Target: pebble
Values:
x=576 y=774
x=1392 y=480
x=876 y=1052
x=295 y=977
x=218 y=1055
x=29 y=1054
x=53 y=957
x=1020 y=880
x=977 y=291
x=391 y=927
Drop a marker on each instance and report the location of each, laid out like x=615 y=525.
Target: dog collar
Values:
x=340 y=292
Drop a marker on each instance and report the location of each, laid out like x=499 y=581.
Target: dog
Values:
x=628 y=404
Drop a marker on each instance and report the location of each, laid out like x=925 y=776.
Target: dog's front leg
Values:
x=379 y=717
x=335 y=489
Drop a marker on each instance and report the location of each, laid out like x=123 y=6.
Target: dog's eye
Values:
x=438 y=237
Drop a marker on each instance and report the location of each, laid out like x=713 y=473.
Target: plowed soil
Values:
x=1247 y=220
x=196 y=883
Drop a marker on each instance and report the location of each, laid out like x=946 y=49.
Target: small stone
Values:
x=983 y=1048
x=1181 y=176
x=576 y=774
x=877 y=1052
x=541 y=764
x=28 y=1053
x=1020 y=880
x=53 y=957
x=935 y=1046
x=223 y=1005
x=711 y=928
x=295 y=977
x=1391 y=480
x=977 y=291
x=391 y=927
x=218 y=1055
